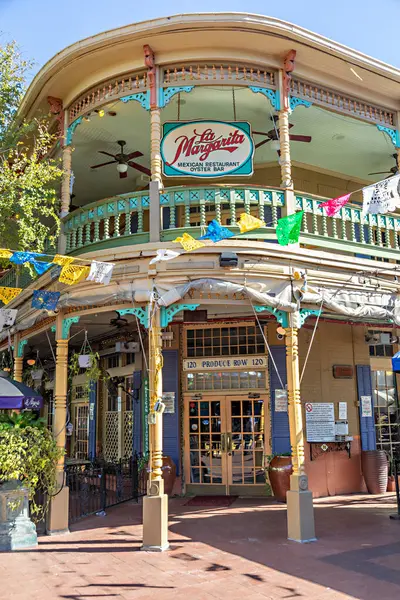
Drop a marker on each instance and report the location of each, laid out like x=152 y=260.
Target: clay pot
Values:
x=279 y=470
x=374 y=465
x=391 y=486
x=169 y=474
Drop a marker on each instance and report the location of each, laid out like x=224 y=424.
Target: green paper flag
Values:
x=288 y=228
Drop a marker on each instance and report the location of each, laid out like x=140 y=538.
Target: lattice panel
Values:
x=128 y=433
x=209 y=74
x=111 y=436
x=108 y=90
x=342 y=103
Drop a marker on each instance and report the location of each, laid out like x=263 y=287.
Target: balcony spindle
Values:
x=96 y=231
x=127 y=223
x=334 y=228
x=203 y=220
x=343 y=225
x=379 y=236
x=232 y=208
x=116 y=226
x=106 y=228
x=87 y=236
x=218 y=209
x=305 y=222
x=187 y=211
x=140 y=220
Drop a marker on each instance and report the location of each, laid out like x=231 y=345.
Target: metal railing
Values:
x=95 y=486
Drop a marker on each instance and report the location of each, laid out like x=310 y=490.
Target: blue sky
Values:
x=43 y=27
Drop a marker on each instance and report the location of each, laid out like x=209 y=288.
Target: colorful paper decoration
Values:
x=19 y=258
x=164 y=255
x=188 y=242
x=5 y=253
x=72 y=274
x=100 y=272
x=215 y=232
x=46 y=300
x=248 y=223
x=7 y=317
x=288 y=228
x=62 y=260
x=39 y=266
x=382 y=197
x=333 y=206
x=8 y=293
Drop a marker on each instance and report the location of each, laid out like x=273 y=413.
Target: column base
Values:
x=57 y=521
x=155 y=523
x=300 y=511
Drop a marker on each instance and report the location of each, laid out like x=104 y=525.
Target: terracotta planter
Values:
x=169 y=474
x=391 y=486
x=279 y=470
x=375 y=470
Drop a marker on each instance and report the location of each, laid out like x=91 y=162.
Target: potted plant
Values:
x=279 y=472
x=92 y=365
x=28 y=460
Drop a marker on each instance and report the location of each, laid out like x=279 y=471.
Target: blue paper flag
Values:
x=19 y=258
x=46 y=300
x=40 y=267
x=215 y=232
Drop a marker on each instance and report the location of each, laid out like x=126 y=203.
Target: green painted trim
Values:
x=126 y=240
x=141 y=313
x=347 y=247
x=66 y=326
x=20 y=349
x=280 y=315
x=168 y=313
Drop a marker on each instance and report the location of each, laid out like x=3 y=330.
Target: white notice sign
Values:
x=281 y=404
x=168 y=399
x=320 y=421
x=342 y=411
x=252 y=363
x=366 y=406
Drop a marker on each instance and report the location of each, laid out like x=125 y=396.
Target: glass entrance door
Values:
x=225 y=437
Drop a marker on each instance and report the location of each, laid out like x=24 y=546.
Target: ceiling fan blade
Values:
x=263 y=142
x=106 y=153
x=104 y=164
x=300 y=138
x=260 y=132
x=134 y=155
x=123 y=175
x=140 y=168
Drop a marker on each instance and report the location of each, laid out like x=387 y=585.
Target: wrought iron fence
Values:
x=95 y=486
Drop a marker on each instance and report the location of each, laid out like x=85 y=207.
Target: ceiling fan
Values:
x=123 y=161
x=393 y=171
x=273 y=135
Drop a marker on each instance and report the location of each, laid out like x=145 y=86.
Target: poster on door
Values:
x=281 y=401
x=366 y=406
x=320 y=421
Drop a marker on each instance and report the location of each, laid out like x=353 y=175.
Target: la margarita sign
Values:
x=207 y=149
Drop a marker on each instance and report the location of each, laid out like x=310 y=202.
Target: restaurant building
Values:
x=164 y=126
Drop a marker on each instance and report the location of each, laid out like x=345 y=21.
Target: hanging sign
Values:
x=366 y=406
x=225 y=364
x=207 y=149
x=320 y=421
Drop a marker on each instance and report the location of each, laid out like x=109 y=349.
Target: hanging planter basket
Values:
x=37 y=374
x=85 y=361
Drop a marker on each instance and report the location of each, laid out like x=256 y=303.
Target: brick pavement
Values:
x=235 y=553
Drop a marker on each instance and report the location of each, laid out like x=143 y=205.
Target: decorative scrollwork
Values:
x=140 y=313
x=306 y=312
x=20 y=349
x=294 y=102
x=272 y=95
x=166 y=94
x=168 y=313
x=281 y=315
x=71 y=130
x=142 y=97
x=392 y=133
x=66 y=326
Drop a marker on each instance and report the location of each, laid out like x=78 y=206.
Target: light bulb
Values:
x=275 y=145
x=122 y=168
x=101 y=113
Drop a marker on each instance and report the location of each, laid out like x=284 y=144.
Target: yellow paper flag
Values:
x=72 y=274
x=5 y=253
x=248 y=223
x=61 y=260
x=188 y=242
x=7 y=294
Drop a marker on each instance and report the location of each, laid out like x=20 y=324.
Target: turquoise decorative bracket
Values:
x=66 y=326
x=141 y=313
x=165 y=94
x=168 y=313
x=53 y=328
x=392 y=133
x=306 y=312
x=20 y=349
x=272 y=95
x=142 y=97
x=294 y=102
x=71 y=130
x=281 y=315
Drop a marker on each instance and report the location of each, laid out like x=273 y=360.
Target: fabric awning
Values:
x=16 y=395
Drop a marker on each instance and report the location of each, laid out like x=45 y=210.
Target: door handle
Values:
x=223 y=442
x=229 y=443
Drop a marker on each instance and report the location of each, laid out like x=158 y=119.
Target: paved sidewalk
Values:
x=238 y=552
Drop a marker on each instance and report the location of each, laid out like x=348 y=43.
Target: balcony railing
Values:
x=125 y=220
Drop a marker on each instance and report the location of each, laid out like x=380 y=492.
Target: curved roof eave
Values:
x=183 y=22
